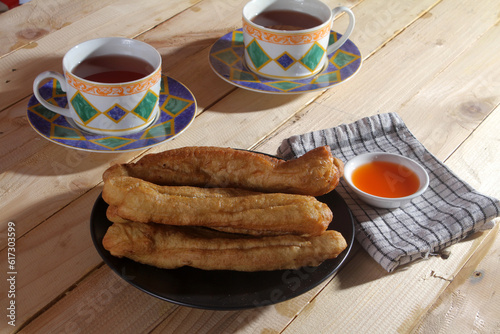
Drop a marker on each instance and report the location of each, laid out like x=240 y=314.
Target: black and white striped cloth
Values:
x=449 y=211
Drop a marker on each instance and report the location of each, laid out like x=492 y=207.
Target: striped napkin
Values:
x=448 y=211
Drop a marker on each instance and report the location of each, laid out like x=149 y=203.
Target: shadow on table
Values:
x=244 y=101
x=362 y=269
x=31 y=213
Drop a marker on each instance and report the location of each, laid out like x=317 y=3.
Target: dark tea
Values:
x=286 y=20
x=113 y=69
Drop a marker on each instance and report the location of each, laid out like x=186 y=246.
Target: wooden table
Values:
x=435 y=63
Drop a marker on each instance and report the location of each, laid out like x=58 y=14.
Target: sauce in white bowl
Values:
x=385 y=180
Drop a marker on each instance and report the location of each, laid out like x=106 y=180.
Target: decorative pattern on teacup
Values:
x=117 y=89
x=88 y=113
x=286 y=38
x=227 y=61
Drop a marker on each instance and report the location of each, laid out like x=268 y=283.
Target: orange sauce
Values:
x=385 y=179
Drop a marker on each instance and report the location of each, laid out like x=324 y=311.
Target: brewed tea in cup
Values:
x=112 y=85
x=288 y=39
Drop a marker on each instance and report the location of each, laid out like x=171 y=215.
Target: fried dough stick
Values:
x=315 y=173
x=171 y=247
x=140 y=201
x=112 y=216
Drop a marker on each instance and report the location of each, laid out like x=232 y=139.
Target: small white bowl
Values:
x=385 y=202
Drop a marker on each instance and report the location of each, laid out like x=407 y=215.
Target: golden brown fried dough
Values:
x=140 y=201
x=171 y=247
x=257 y=233
x=112 y=215
x=315 y=173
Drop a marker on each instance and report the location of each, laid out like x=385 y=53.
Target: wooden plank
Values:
x=41 y=17
x=53 y=178
x=21 y=67
x=364 y=285
x=383 y=88
x=207 y=124
x=194 y=32
x=26 y=152
x=23 y=150
x=316 y=317
x=203 y=129
x=482 y=146
x=227 y=320
x=52 y=258
x=89 y=311
x=383 y=20
x=253 y=110
x=103 y=297
x=471 y=303
x=459 y=98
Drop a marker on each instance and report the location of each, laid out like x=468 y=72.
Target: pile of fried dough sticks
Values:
x=223 y=209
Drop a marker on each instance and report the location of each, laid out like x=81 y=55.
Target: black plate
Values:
x=225 y=290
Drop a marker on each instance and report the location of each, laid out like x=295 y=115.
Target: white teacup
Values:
x=112 y=85
x=279 y=53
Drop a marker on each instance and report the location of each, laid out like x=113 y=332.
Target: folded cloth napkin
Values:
x=448 y=211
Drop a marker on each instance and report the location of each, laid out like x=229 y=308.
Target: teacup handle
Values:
x=348 y=31
x=36 y=85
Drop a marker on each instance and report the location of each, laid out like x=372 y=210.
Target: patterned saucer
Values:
x=177 y=111
x=227 y=61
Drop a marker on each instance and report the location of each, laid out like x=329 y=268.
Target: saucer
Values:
x=177 y=111
x=227 y=61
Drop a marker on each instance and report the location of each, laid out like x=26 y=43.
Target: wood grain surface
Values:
x=434 y=62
